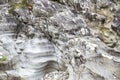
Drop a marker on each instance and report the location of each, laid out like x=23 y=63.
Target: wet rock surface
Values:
x=59 y=40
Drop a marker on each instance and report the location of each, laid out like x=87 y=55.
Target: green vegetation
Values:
x=108 y=36
x=118 y=5
x=23 y=79
x=3 y=58
x=19 y=4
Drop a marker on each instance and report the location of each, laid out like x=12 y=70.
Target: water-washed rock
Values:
x=59 y=40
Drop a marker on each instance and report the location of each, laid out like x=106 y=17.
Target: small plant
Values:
x=108 y=36
x=2 y=58
x=20 y=4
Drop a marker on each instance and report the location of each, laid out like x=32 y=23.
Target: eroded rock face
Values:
x=116 y=22
x=47 y=39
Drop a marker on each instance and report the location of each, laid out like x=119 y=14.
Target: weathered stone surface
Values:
x=60 y=40
x=116 y=22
